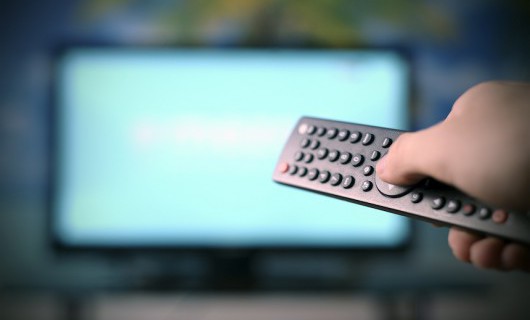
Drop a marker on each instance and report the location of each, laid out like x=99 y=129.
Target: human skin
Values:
x=483 y=149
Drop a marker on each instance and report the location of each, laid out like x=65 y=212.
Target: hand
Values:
x=488 y=252
x=483 y=149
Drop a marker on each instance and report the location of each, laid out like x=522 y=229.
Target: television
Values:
x=173 y=148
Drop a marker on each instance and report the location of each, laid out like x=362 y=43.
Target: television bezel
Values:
x=53 y=114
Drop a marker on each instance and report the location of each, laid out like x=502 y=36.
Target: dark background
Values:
x=453 y=45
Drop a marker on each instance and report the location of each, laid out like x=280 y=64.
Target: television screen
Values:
x=175 y=147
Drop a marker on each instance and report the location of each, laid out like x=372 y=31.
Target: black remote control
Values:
x=338 y=159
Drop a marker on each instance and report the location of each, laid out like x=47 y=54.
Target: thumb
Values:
x=416 y=155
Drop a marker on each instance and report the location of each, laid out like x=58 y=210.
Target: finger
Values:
x=516 y=257
x=416 y=155
x=487 y=253
x=460 y=242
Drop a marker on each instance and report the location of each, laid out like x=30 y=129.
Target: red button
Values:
x=499 y=216
x=284 y=167
x=468 y=209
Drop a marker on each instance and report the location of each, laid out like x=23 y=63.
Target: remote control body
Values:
x=338 y=159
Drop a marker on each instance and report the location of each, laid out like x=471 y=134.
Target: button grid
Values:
x=335 y=179
x=452 y=206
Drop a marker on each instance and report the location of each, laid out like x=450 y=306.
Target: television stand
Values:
x=232 y=271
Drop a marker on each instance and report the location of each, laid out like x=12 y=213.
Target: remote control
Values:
x=338 y=159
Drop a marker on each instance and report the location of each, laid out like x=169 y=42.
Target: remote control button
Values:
x=302 y=171
x=315 y=144
x=345 y=157
x=499 y=216
x=357 y=160
x=335 y=179
x=308 y=158
x=368 y=139
x=468 y=209
x=355 y=137
x=368 y=170
x=484 y=213
x=348 y=182
x=313 y=174
x=366 y=186
x=283 y=168
x=321 y=131
x=324 y=176
x=343 y=134
x=438 y=203
x=322 y=153
x=386 y=142
x=302 y=129
x=332 y=133
x=416 y=197
x=293 y=170
x=333 y=155
x=375 y=155
x=391 y=190
x=453 y=206
x=305 y=143
x=311 y=130
x=299 y=156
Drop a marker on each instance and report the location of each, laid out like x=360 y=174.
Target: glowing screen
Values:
x=176 y=147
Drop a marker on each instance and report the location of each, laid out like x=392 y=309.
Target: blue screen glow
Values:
x=176 y=147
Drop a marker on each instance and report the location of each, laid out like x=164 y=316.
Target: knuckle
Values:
x=474 y=94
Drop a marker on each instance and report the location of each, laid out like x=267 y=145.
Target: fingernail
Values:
x=381 y=165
